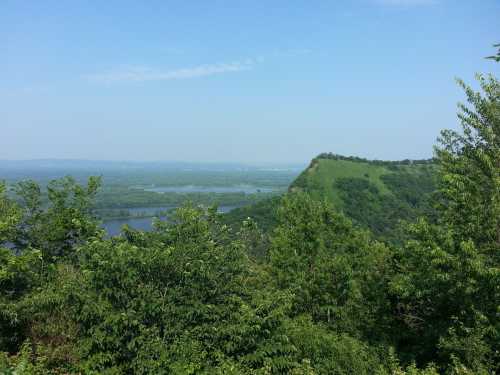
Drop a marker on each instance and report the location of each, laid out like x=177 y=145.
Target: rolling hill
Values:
x=374 y=194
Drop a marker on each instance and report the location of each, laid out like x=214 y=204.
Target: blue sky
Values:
x=245 y=81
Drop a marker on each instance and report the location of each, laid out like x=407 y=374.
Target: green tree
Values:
x=336 y=273
x=470 y=168
x=10 y=215
x=447 y=286
x=37 y=237
x=182 y=299
x=65 y=223
x=18 y=274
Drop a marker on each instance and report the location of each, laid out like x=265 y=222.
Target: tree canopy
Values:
x=315 y=293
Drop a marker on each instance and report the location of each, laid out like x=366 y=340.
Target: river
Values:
x=113 y=226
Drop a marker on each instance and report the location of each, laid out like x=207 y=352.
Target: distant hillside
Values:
x=375 y=194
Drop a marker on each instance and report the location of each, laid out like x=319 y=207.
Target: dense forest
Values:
x=390 y=269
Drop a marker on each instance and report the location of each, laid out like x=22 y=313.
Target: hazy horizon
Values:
x=153 y=162
x=243 y=82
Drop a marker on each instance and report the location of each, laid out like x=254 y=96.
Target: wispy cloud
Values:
x=143 y=74
x=406 y=2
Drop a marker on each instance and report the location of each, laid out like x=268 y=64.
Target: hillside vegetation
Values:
x=374 y=194
x=315 y=294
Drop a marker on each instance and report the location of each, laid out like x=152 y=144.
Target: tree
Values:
x=37 y=237
x=10 y=215
x=336 y=273
x=18 y=274
x=470 y=169
x=497 y=56
x=67 y=221
x=447 y=286
x=182 y=299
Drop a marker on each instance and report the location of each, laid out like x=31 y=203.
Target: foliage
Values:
x=18 y=275
x=336 y=273
x=64 y=224
x=497 y=56
x=447 y=286
x=10 y=215
x=470 y=168
x=180 y=304
x=375 y=195
x=264 y=213
x=331 y=353
x=312 y=293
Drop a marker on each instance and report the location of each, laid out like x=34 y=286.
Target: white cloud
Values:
x=142 y=74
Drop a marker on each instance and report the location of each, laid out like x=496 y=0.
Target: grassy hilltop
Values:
x=374 y=194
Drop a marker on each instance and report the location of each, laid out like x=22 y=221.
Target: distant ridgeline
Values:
x=375 y=194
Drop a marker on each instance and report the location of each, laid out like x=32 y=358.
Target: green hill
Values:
x=374 y=194
x=320 y=177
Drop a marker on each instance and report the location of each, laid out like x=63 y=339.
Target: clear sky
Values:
x=250 y=81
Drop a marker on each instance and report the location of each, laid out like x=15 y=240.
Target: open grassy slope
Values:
x=319 y=179
x=374 y=194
